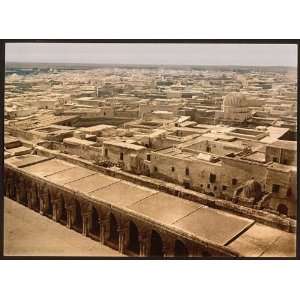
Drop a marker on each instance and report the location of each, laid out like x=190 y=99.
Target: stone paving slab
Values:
x=22 y=150
x=25 y=160
x=261 y=240
x=69 y=175
x=91 y=183
x=122 y=194
x=214 y=225
x=48 y=167
x=164 y=208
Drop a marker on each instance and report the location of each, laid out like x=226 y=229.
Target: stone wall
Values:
x=284 y=156
x=22 y=134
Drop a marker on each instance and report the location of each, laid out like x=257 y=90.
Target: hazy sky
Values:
x=198 y=54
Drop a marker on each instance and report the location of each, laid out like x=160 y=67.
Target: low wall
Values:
x=22 y=134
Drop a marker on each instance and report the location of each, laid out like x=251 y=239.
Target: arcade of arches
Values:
x=126 y=233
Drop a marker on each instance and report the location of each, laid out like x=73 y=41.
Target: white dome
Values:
x=235 y=99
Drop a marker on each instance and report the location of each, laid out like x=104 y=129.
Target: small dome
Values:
x=252 y=189
x=235 y=99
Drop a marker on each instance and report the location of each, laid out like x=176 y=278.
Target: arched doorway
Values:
x=113 y=230
x=78 y=217
x=133 y=244
x=180 y=249
x=95 y=226
x=156 y=248
x=282 y=209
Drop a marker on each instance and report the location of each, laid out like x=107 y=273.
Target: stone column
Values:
x=195 y=251
x=122 y=233
x=22 y=190
x=55 y=214
x=69 y=206
x=14 y=186
x=19 y=187
x=103 y=230
x=42 y=204
x=28 y=192
x=14 y=189
x=168 y=248
x=10 y=188
x=144 y=244
x=69 y=218
x=86 y=213
x=34 y=197
x=85 y=223
x=40 y=198
x=58 y=210
x=30 y=200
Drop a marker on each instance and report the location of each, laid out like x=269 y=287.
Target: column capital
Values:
x=142 y=238
x=121 y=229
x=69 y=203
x=144 y=243
x=86 y=208
x=55 y=201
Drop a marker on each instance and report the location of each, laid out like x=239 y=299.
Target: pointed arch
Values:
x=133 y=243
x=180 y=249
x=156 y=246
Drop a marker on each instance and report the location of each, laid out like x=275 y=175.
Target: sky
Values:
x=173 y=54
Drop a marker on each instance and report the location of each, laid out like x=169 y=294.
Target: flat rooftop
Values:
x=10 y=139
x=25 y=160
x=205 y=223
x=96 y=128
x=125 y=145
x=264 y=241
x=76 y=141
x=19 y=150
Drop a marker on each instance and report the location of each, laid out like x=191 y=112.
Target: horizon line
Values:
x=153 y=64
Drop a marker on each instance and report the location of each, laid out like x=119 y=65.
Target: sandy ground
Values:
x=27 y=233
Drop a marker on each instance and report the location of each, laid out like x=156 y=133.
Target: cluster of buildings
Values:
x=227 y=135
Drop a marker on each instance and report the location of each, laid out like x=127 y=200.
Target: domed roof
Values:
x=252 y=188
x=235 y=99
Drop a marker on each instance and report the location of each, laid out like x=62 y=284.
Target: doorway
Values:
x=180 y=249
x=78 y=218
x=156 y=249
x=63 y=213
x=113 y=230
x=95 y=226
x=133 y=244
